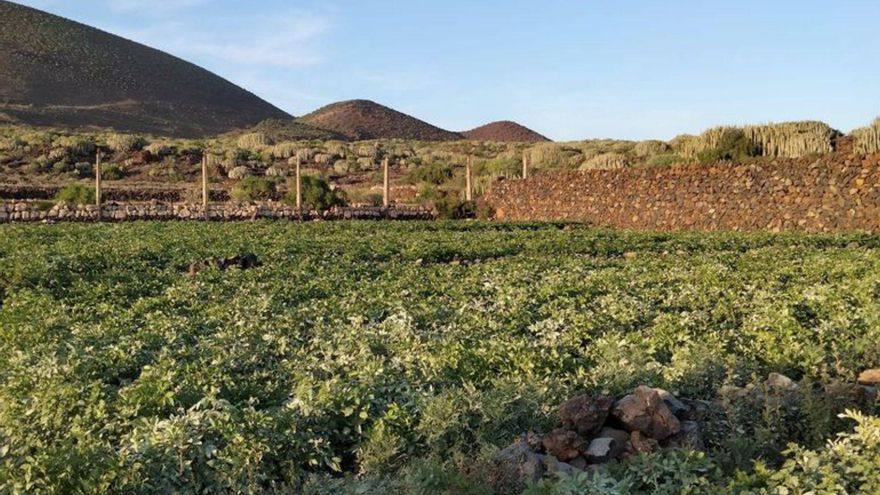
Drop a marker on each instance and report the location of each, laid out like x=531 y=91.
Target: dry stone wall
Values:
x=36 y=211
x=110 y=193
x=834 y=193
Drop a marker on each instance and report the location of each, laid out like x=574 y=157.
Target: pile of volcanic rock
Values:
x=242 y=261
x=595 y=430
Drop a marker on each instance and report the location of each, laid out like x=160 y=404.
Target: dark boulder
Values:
x=585 y=414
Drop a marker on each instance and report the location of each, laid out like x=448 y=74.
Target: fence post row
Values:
x=468 y=179
x=299 y=199
x=98 y=181
x=385 y=184
x=205 y=185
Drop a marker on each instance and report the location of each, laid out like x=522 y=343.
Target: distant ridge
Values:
x=364 y=119
x=57 y=72
x=504 y=131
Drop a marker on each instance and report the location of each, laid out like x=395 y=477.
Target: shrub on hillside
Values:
x=253 y=188
x=665 y=160
x=605 y=161
x=253 y=141
x=125 y=143
x=433 y=173
x=316 y=193
x=450 y=207
x=77 y=194
x=644 y=149
x=161 y=150
x=733 y=145
x=112 y=172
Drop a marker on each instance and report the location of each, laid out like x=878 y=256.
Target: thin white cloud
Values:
x=397 y=80
x=152 y=6
x=289 y=40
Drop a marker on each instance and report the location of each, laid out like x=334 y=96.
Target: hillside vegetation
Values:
x=56 y=72
x=400 y=357
x=422 y=172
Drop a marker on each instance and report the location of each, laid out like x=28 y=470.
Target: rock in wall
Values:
x=834 y=193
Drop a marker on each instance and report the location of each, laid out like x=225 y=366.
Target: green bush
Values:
x=846 y=465
x=253 y=188
x=434 y=173
x=112 y=172
x=316 y=193
x=450 y=207
x=84 y=169
x=665 y=160
x=62 y=167
x=427 y=191
x=76 y=194
x=124 y=143
x=733 y=145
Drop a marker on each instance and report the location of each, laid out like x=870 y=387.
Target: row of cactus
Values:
x=606 y=161
x=690 y=146
x=792 y=139
x=788 y=139
x=867 y=139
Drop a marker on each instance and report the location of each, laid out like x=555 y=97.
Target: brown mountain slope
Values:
x=58 y=72
x=362 y=120
x=504 y=131
x=278 y=130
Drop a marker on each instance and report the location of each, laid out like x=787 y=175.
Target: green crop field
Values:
x=400 y=357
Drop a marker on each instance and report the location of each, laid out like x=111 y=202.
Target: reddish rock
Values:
x=585 y=414
x=870 y=377
x=800 y=194
x=563 y=444
x=517 y=466
x=141 y=157
x=641 y=444
x=645 y=411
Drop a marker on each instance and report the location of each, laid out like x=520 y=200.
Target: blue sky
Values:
x=569 y=69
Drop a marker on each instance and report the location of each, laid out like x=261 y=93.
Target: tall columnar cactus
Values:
x=867 y=139
x=792 y=139
x=690 y=146
x=789 y=139
x=605 y=161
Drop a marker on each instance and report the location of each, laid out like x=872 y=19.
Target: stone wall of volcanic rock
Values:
x=33 y=211
x=834 y=193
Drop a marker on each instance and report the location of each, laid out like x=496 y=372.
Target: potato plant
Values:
x=393 y=357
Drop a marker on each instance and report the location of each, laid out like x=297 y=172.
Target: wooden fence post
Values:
x=525 y=172
x=299 y=198
x=469 y=180
x=205 y=185
x=98 y=181
x=386 y=189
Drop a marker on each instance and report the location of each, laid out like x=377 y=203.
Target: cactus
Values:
x=792 y=139
x=691 y=146
x=867 y=139
x=645 y=149
x=789 y=139
x=253 y=141
x=605 y=161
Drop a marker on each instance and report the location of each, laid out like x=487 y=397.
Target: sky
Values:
x=629 y=69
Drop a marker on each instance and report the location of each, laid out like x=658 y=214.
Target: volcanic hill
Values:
x=362 y=120
x=504 y=131
x=57 y=72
